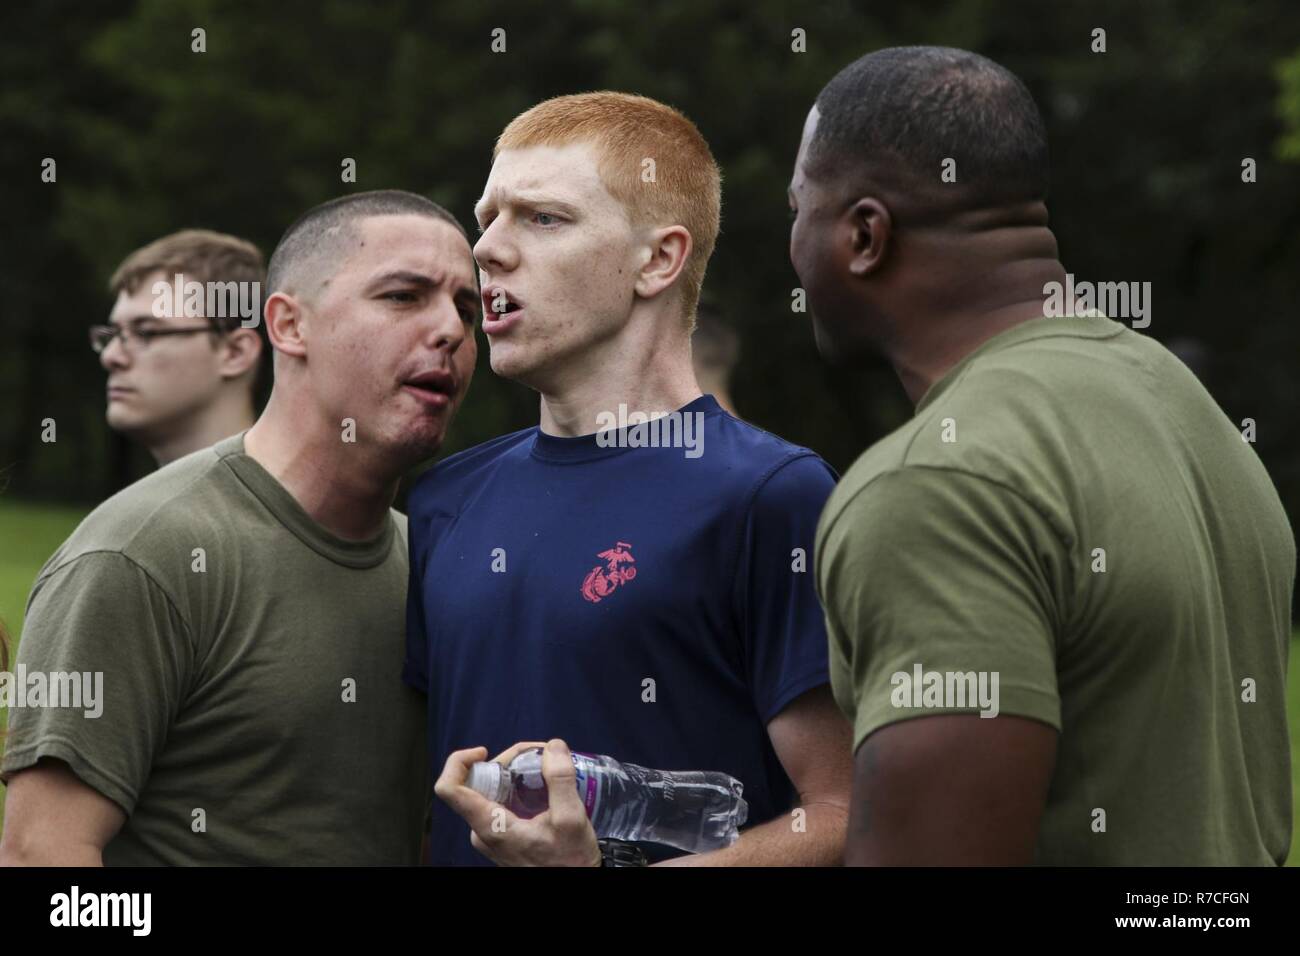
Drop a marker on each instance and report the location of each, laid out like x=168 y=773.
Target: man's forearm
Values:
x=16 y=852
x=814 y=837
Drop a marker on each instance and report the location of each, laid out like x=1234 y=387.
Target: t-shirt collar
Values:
x=285 y=508
x=553 y=448
x=1091 y=325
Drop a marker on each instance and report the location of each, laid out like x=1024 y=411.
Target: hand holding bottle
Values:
x=693 y=810
x=562 y=835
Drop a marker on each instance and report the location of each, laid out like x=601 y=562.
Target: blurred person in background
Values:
x=178 y=382
x=715 y=352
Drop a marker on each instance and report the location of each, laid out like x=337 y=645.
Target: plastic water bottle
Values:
x=695 y=811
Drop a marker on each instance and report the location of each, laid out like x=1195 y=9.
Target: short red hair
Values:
x=626 y=130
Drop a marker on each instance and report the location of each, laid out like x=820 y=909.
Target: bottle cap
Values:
x=488 y=778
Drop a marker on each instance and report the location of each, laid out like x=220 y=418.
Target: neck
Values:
x=644 y=367
x=991 y=284
x=230 y=414
x=716 y=384
x=926 y=355
x=343 y=487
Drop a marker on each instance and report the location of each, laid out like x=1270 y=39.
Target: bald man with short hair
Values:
x=1059 y=597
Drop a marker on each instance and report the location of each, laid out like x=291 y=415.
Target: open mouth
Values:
x=435 y=388
x=501 y=310
x=497 y=301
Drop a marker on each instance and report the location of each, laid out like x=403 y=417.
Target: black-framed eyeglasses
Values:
x=102 y=335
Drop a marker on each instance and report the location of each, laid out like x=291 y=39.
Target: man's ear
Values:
x=284 y=319
x=870 y=229
x=241 y=350
x=670 y=247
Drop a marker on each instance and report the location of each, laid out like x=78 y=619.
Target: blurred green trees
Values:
x=1148 y=141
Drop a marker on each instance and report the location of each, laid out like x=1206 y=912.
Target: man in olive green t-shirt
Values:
x=243 y=609
x=1058 y=598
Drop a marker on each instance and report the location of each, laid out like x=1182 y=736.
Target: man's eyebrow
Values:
x=523 y=197
x=133 y=319
x=538 y=198
x=468 y=292
x=470 y=297
x=402 y=275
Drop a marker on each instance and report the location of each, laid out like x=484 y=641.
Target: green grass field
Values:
x=30 y=533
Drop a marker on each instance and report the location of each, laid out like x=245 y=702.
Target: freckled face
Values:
x=558 y=254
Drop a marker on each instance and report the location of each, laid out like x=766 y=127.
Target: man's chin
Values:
x=125 y=423
x=511 y=362
x=417 y=445
x=841 y=351
x=828 y=345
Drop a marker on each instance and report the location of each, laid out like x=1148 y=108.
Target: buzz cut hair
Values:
x=902 y=112
x=321 y=236
x=626 y=131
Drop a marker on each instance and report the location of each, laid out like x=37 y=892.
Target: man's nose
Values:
x=115 y=355
x=492 y=252
x=447 y=327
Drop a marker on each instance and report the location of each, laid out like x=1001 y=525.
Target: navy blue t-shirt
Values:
x=633 y=601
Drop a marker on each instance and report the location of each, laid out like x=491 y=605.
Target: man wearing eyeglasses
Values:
x=179 y=382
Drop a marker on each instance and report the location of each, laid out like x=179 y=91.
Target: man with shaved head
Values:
x=245 y=604
x=1059 y=597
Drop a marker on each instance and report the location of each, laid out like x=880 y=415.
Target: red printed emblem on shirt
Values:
x=601 y=582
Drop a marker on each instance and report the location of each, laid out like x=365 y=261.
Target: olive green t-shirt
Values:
x=253 y=710
x=1071 y=512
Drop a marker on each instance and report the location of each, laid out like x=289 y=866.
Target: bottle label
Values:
x=588 y=786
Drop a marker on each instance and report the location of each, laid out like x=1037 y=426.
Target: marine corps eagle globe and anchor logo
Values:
x=601 y=582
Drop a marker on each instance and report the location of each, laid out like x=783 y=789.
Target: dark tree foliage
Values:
x=1147 y=142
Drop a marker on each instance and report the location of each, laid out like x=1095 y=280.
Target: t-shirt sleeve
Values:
x=102 y=621
x=936 y=572
x=415 y=669
x=783 y=627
